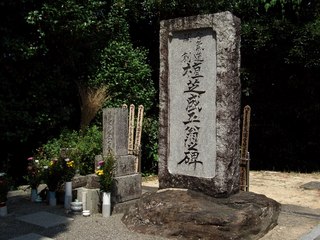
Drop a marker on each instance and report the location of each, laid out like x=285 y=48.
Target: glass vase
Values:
x=34 y=194
x=106 y=204
x=52 y=198
x=68 y=195
x=3 y=211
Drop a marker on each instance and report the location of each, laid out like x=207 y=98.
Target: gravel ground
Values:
x=300 y=212
x=93 y=227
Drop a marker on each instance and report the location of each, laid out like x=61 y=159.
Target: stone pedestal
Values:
x=127 y=184
x=185 y=214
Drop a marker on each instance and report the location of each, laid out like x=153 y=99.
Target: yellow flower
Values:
x=99 y=172
x=70 y=164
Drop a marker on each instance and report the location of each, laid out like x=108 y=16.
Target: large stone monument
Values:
x=200 y=104
x=199 y=141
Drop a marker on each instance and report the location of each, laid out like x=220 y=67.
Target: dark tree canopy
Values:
x=51 y=49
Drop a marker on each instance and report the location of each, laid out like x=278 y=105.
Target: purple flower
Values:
x=30 y=158
x=100 y=163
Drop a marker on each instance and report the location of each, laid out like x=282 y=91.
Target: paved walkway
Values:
x=38 y=221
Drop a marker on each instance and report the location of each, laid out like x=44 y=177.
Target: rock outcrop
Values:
x=186 y=214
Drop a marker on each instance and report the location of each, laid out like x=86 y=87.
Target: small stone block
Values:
x=126 y=188
x=92 y=181
x=314 y=185
x=93 y=200
x=79 y=181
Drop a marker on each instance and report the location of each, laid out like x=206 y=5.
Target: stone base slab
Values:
x=186 y=214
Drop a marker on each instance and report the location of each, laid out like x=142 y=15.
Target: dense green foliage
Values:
x=51 y=49
x=91 y=38
x=82 y=148
x=280 y=75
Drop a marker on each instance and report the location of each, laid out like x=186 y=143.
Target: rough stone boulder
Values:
x=186 y=214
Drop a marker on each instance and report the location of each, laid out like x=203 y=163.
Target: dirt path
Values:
x=300 y=208
x=285 y=187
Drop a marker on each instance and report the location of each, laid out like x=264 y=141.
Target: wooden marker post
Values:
x=245 y=158
x=131 y=130
x=137 y=145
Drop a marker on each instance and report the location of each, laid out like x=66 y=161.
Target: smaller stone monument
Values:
x=127 y=184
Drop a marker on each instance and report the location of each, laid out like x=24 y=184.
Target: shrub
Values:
x=149 y=158
x=82 y=146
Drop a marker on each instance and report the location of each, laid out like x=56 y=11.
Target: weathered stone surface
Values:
x=218 y=108
x=88 y=181
x=126 y=188
x=79 y=181
x=122 y=207
x=92 y=181
x=314 y=185
x=186 y=214
x=126 y=165
x=115 y=131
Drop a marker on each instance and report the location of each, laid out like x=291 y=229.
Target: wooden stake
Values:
x=137 y=147
x=244 y=155
x=131 y=130
x=124 y=106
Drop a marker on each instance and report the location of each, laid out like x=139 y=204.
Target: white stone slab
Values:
x=200 y=95
x=192 y=94
x=31 y=236
x=45 y=219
